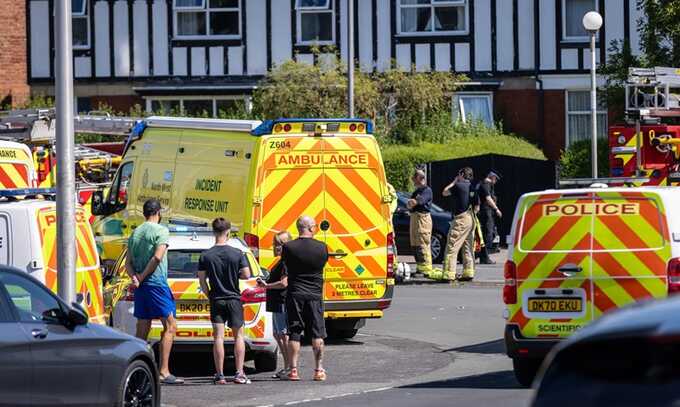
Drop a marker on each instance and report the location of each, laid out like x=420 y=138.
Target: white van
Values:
x=576 y=254
x=28 y=241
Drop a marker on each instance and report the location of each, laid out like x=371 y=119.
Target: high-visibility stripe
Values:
x=357 y=214
x=5 y=180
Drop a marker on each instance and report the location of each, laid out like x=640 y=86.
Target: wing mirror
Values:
x=98 y=204
x=77 y=315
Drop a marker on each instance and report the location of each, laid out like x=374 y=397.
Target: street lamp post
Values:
x=592 y=22
x=66 y=192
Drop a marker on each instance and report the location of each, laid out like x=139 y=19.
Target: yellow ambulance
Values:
x=28 y=241
x=16 y=166
x=262 y=176
x=577 y=254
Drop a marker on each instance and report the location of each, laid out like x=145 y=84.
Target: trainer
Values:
x=305 y=259
x=147 y=265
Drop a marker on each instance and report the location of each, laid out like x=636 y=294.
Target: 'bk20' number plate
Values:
x=193 y=308
x=566 y=304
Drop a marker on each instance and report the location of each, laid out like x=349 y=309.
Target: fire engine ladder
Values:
x=650 y=97
x=36 y=127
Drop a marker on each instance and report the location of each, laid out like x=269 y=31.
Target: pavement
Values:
x=438 y=345
x=490 y=275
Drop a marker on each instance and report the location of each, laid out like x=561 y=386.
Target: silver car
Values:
x=51 y=355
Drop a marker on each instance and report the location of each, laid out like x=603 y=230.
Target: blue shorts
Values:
x=153 y=302
x=280 y=322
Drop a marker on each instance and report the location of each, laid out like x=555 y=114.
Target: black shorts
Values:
x=227 y=311
x=305 y=316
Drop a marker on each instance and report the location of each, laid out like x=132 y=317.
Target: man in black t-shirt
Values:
x=487 y=210
x=462 y=226
x=219 y=271
x=305 y=259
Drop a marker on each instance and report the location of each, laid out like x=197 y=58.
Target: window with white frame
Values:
x=199 y=19
x=315 y=22
x=80 y=21
x=572 y=19
x=473 y=107
x=432 y=17
x=579 y=117
x=197 y=106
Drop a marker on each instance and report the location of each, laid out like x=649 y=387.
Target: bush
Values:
x=400 y=160
x=576 y=163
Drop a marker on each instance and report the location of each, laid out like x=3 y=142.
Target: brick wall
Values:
x=14 y=87
x=519 y=110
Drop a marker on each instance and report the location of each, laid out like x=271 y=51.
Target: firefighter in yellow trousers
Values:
x=461 y=232
x=421 y=222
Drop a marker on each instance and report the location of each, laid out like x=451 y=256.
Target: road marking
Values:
x=335 y=396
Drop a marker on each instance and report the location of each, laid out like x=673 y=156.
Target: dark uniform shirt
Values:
x=486 y=189
x=423 y=197
x=461 y=198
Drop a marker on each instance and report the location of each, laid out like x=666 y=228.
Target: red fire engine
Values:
x=646 y=149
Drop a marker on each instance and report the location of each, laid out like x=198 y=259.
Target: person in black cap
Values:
x=487 y=212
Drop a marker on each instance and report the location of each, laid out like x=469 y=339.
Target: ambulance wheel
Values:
x=437 y=247
x=525 y=370
x=266 y=361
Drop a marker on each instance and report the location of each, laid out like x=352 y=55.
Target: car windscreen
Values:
x=616 y=372
x=183 y=263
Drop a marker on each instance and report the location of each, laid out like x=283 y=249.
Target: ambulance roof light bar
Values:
x=202 y=124
x=267 y=127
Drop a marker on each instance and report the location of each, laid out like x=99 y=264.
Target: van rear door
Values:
x=88 y=273
x=289 y=183
x=553 y=264
x=630 y=249
x=356 y=222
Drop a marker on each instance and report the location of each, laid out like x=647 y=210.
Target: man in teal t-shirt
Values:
x=147 y=265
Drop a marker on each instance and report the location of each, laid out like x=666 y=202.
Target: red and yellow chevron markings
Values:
x=14 y=175
x=329 y=186
x=88 y=275
x=620 y=239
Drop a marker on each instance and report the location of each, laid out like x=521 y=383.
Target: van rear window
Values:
x=555 y=225
x=183 y=263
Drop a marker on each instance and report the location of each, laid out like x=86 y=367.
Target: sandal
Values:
x=320 y=375
x=171 y=380
x=293 y=375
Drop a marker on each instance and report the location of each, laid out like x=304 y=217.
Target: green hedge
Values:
x=400 y=160
x=575 y=162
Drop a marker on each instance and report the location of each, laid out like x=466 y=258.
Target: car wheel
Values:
x=138 y=387
x=437 y=247
x=525 y=370
x=266 y=361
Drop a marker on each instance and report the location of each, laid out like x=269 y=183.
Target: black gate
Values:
x=518 y=176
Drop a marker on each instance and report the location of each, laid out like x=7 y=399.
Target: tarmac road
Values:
x=438 y=345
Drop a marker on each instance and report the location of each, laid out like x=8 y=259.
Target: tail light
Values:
x=390 y=255
x=510 y=287
x=130 y=293
x=253 y=243
x=674 y=276
x=254 y=294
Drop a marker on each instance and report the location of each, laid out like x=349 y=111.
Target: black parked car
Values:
x=51 y=355
x=441 y=221
x=630 y=357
